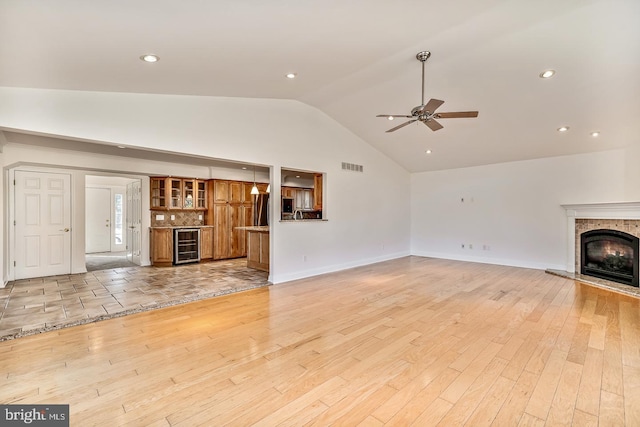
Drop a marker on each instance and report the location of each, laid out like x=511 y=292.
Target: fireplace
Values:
x=603 y=255
x=610 y=254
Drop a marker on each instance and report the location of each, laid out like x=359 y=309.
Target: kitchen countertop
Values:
x=260 y=228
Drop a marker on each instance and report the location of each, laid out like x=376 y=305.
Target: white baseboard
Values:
x=281 y=278
x=487 y=260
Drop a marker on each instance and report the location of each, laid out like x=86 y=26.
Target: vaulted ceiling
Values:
x=356 y=59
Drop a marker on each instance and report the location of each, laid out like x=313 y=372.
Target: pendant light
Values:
x=254 y=190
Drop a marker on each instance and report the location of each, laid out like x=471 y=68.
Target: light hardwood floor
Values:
x=414 y=341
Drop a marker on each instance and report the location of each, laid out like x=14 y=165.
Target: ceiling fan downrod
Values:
x=422 y=57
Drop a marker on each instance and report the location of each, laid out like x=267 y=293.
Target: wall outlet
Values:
x=470 y=246
x=200 y=217
x=159 y=217
x=173 y=217
x=304 y=258
x=462 y=246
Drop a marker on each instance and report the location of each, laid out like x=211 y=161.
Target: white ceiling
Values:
x=356 y=59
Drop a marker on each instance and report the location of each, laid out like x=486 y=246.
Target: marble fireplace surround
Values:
x=622 y=216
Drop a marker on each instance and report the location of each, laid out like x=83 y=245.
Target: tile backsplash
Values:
x=182 y=218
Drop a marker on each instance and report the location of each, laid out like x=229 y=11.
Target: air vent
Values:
x=352 y=167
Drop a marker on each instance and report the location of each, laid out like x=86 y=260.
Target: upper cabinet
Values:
x=317 y=191
x=178 y=193
x=158 y=193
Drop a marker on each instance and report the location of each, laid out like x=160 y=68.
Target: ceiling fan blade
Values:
x=432 y=105
x=402 y=125
x=393 y=115
x=457 y=114
x=433 y=125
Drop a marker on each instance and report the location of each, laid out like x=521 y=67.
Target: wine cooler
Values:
x=186 y=243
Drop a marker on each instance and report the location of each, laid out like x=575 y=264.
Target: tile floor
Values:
x=106 y=261
x=36 y=305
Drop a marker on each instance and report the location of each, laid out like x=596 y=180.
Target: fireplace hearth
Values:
x=610 y=254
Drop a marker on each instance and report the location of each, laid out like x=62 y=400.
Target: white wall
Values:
x=511 y=212
x=366 y=212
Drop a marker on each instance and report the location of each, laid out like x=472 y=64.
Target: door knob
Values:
x=66 y=230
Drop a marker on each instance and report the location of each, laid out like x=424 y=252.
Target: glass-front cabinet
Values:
x=188 y=187
x=201 y=195
x=158 y=193
x=178 y=193
x=175 y=186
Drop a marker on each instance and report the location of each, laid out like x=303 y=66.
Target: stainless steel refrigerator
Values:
x=261 y=209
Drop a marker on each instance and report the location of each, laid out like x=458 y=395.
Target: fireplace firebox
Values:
x=611 y=255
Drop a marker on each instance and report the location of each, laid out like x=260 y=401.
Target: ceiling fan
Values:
x=425 y=113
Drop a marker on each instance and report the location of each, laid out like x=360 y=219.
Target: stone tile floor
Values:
x=37 y=305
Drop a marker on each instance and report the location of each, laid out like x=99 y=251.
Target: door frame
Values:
x=77 y=217
x=113 y=189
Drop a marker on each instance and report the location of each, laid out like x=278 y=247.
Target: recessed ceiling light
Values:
x=150 y=58
x=244 y=168
x=547 y=74
x=428 y=151
x=297 y=176
x=291 y=75
x=595 y=134
x=390 y=117
x=121 y=146
x=563 y=128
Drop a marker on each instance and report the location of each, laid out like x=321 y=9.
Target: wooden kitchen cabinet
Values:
x=161 y=246
x=220 y=191
x=236 y=192
x=317 y=191
x=174 y=186
x=158 y=193
x=258 y=253
x=201 y=194
x=232 y=207
x=288 y=192
x=229 y=242
x=178 y=193
x=247 y=197
x=206 y=243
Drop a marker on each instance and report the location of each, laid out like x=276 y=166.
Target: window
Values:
x=118 y=227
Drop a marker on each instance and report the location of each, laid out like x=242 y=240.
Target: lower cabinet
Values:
x=258 y=251
x=206 y=243
x=161 y=246
x=229 y=242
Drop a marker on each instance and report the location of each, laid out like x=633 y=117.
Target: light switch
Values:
x=199 y=217
x=159 y=217
x=173 y=217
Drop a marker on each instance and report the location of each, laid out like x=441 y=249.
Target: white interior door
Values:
x=42 y=213
x=97 y=220
x=134 y=221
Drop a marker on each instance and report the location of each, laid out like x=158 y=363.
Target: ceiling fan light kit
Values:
x=425 y=113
